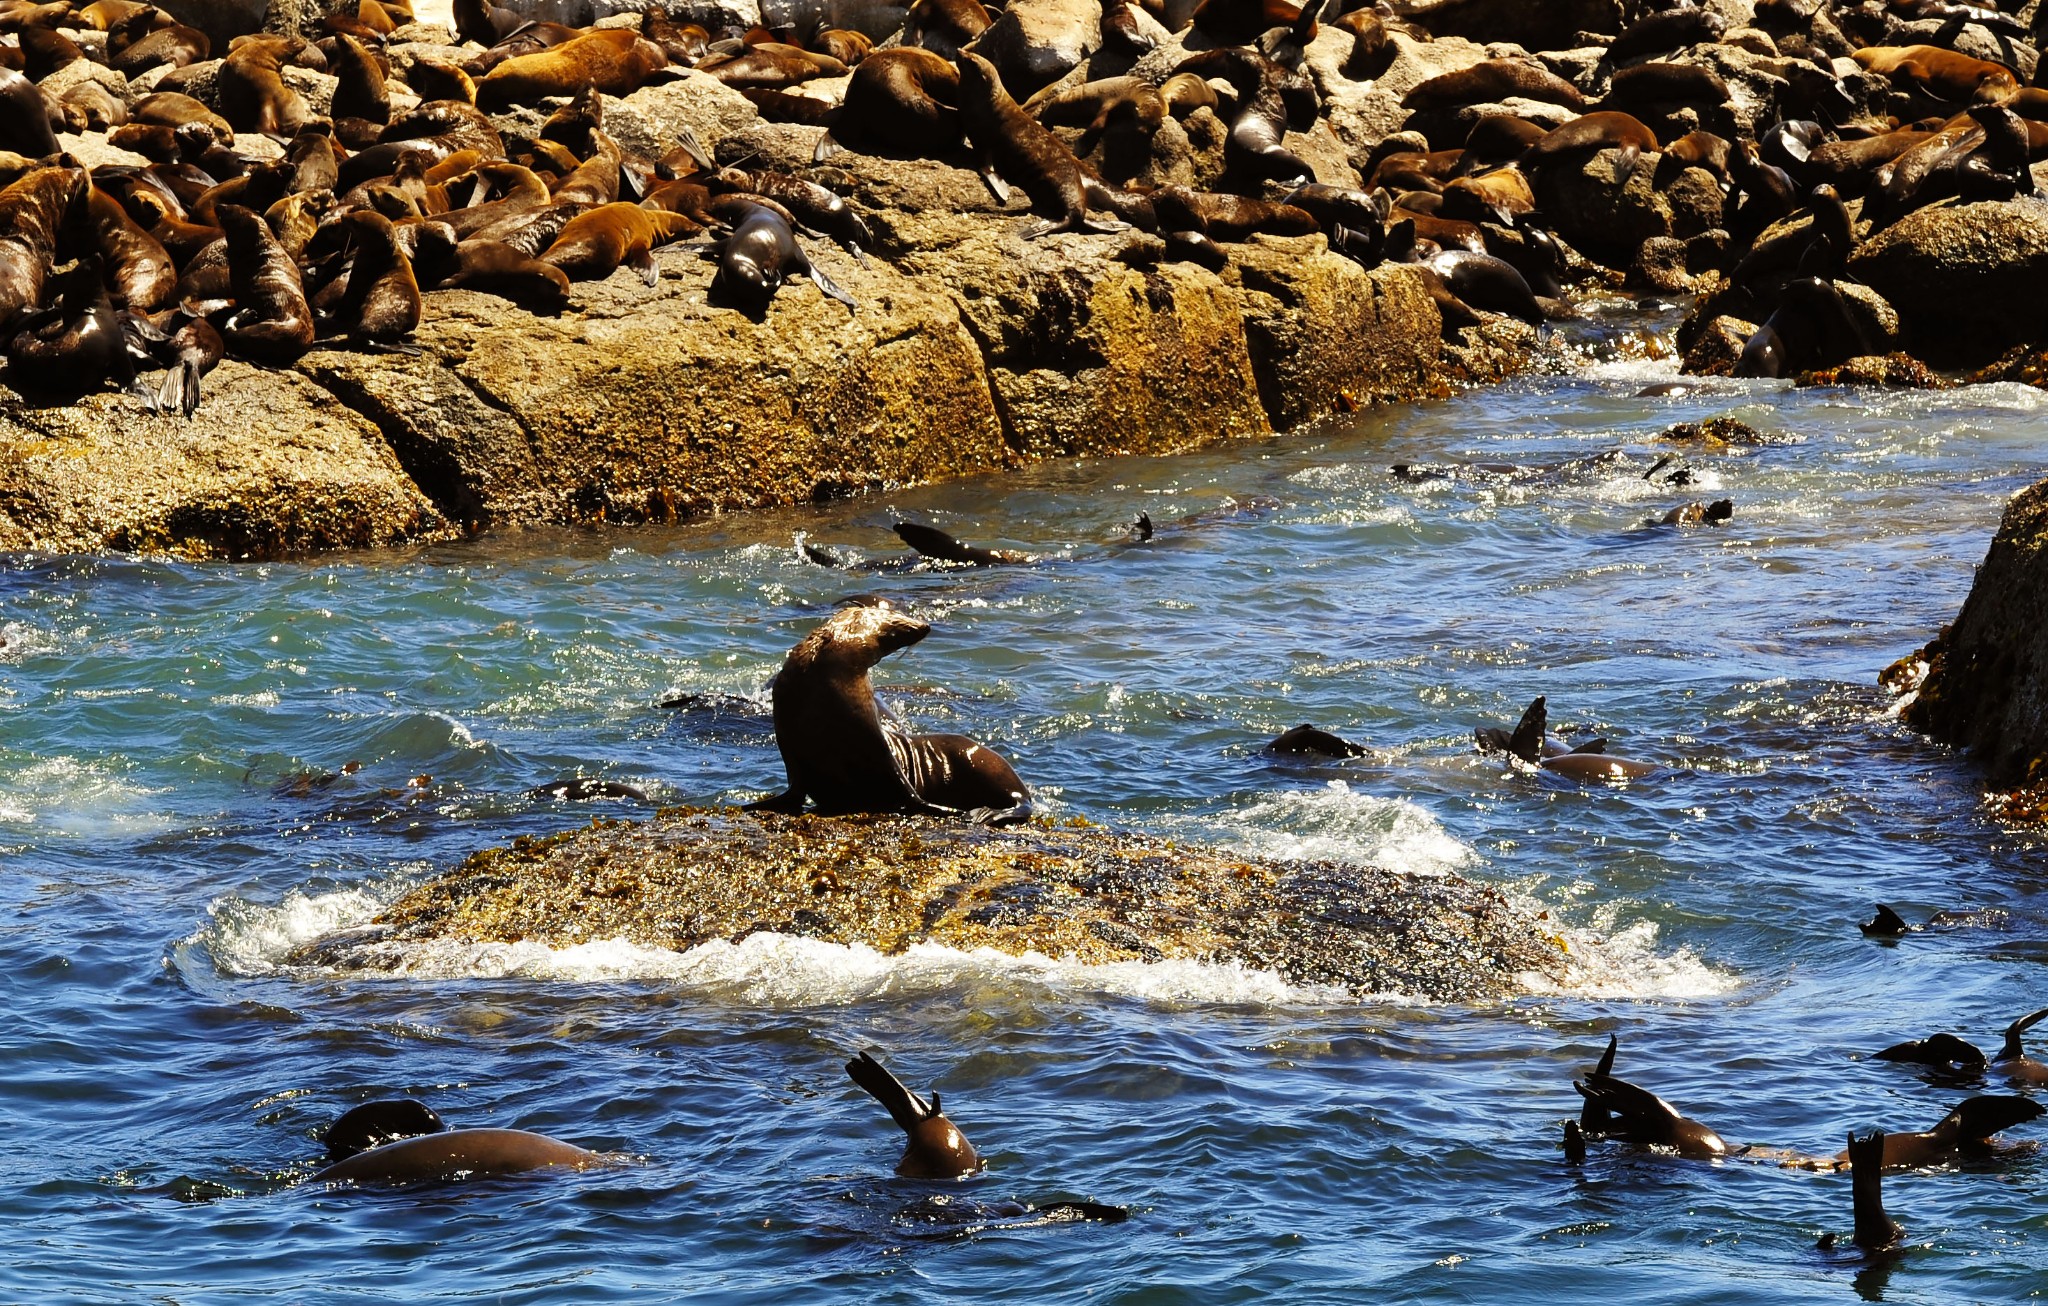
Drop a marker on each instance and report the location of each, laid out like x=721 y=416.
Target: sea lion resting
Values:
x=847 y=753
x=405 y=1142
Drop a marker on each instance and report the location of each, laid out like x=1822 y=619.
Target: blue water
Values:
x=162 y=852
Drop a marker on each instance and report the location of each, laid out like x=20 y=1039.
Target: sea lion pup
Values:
x=148 y=39
x=617 y=61
x=1491 y=82
x=598 y=243
x=1526 y=743
x=761 y=252
x=1604 y=130
x=1966 y=1130
x=944 y=27
x=930 y=542
x=373 y=1124
x=24 y=117
x=272 y=322
x=380 y=305
x=1942 y=76
x=1309 y=740
x=1271 y=100
x=933 y=1147
x=846 y=753
x=457 y=1154
x=494 y=268
x=1011 y=147
x=32 y=211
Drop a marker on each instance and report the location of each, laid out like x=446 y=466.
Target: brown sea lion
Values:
x=252 y=91
x=373 y=1124
x=1011 y=148
x=32 y=212
x=1875 y=1230
x=139 y=43
x=1967 y=1130
x=140 y=274
x=934 y=1148
x=74 y=346
x=1529 y=742
x=494 y=268
x=1240 y=22
x=847 y=754
x=483 y=22
x=1271 y=101
x=272 y=322
x=191 y=349
x=1943 y=76
x=24 y=117
x=761 y=252
x=381 y=304
x=360 y=92
x=103 y=109
x=772 y=66
x=458 y=1154
x=1699 y=514
x=437 y=79
x=174 y=109
x=1491 y=82
x=685 y=44
x=1120 y=104
x=1653 y=86
x=598 y=243
x=44 y=50
x=617 y=61
x=1615 y=1108
x=1665 y=32
x=1604 y=130
x=944 y=27
x=1226 y=217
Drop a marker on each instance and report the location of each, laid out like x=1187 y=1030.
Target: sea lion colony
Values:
x=257 y=225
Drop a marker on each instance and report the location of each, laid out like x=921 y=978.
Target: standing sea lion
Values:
x=272 y=322
x=847 y=753
x=933 y=1147
x=32 y=211
x=1011 y=147
x=380 y=305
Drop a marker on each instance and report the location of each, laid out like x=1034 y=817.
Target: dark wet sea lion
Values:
x=32 y=212
x=373 y=1124
x=1966 y=1130
x=1271 y=100
x=1590 y=134
x=272 y=322
x=24 y=117
x=1662 y=33
x=1875 y=1230
x=1491 y=82
x=457 y=1154
x=598 y=243
x=944 y=26
x=934 y=543
x=191 y=350
x=581 y=789
x=1699 y=514
x=761 y=253
x=360 y=92
x=1013 y=148
x=381 y=302
x=1886 y=924
x=1944 y=1052
x=847 y=753
x=1307 y=739
x=1615 y=1108
x=1227 y=217
x=140 y=273
x=616 y=61
x=2012 y=1060
x=44 y=50
x=1484 y=281
x=933 y=1147
x=74 y=346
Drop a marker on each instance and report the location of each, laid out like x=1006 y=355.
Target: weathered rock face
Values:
x=1969 y=281
x=692 y=876
x=1547 y=25
x=1034 y=43
x=1608 y=218
x=1986 y=681
x=278 y=467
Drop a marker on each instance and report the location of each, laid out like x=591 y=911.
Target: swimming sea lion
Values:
x=934 y=543
x=581 y=789
x=1586 y=762
x=933 y=1147
x=373 y=1124
x=846 y=753
x=457 y=1154
x=1639 y=1116
x=1967 y=1129
x=1875 y=1230
x=1698 y=514
x=2012 y=1060
x=1886 y=924
x=1307 y=739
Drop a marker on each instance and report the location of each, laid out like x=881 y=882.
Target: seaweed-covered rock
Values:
x=1985 y=685
x=1969 y=281
x=691 y=876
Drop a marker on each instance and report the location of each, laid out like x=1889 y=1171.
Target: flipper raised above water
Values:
x=934 y=1147
x=934 y=543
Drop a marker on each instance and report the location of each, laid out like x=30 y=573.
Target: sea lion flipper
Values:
x=2011 y=1050
x=1527 y=740
x=1591 y=746
x=825 y=149
x=829 y=287
x=1016 y=815
x=789 y=802
x=904 y=1107
x=1888 y=923
x=1977 y=1119
x=1606 y=1066
x=997 y=187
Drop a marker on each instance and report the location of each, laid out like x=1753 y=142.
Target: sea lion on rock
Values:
x=1590 y=134
x=1582 y=763
x=761 y=253
x=24 y=117
x=596 y=244
x=1943 y=76
x=1491 y=82
x=32 y=212
x=272 y=322
x=934 y=1148
x=617 y=61
x=846 y=753
x=74 y=346
x=1013 y=148
x=492 y=267
x=380 y=305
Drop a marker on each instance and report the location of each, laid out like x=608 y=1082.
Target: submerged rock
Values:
x=691 y=876
x=1985 y=681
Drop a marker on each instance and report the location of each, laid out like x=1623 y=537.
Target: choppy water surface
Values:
x=163 y=849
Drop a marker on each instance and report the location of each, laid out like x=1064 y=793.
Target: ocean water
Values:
x=174 y=817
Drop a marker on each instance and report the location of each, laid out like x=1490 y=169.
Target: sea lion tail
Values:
x=1527 y=741
x=905 y=1107
x=2010 y=1050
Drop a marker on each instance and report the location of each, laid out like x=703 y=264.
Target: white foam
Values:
x=248 y=939
x=68 y=796
x=1624 y=964
x=1338 y=823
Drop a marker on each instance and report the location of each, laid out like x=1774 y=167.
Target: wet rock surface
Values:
x=691 y=876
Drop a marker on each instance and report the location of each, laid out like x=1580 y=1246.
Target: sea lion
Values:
x=380 y=305
x=1486 y=282
x=173 y=109
x=272 y=322
x=252 y=92
x=74 y=346
x=1271 y=100
x=373 y=1124
x=1308 y=739
x=1812 y=327
x=933 y=543
x=1886 y=924
x=581 y=789
x=1652 y=87
x=900 y=101
x=761 y=253
x=598 y=243
x=139 y=43
x=1491 y=82
x=103 y=110
x=1226 y=217
x=1012 y=148
x=934 y=1148
x=1604 y=130
x=1699 y=514
x=1967 y=1129
x=360 y=93
x=2012 y=1060
x=617 y=61
x=1875 y=1230
x=495 y=268
x=1662 y=33
x=944 y=27
x=140 y=273
x=1615 y=1108
x=483 y=22
x=1943 y=1052
x=457 y=1154
x=24 y=117
x=771 y=66
x=32 y=212
x=846 y=753
x=1940 y=75
x=437 y=79
x=192 y=349
x=1582 y=763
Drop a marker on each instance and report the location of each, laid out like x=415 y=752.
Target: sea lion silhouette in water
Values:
x=2012 y=1060
x=934 y=1147
x=1309 y=740
x=1958 y=1056
x=847 y=753
x=934 y=543
x=1875 y=1230
x=1966 y=1130
x=1530 y=743
x=404 y=1142
x=1616 y=1108
x=373 y=1124
x=1887 y=924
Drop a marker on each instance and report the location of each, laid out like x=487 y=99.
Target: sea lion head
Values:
x=854 y=639
x=374 y=1124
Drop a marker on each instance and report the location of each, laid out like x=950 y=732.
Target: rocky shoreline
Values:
x=690 y=876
